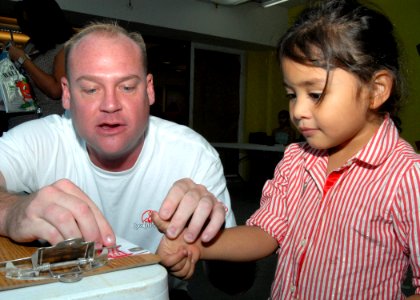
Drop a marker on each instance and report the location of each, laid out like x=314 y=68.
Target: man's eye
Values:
x=128 y=88
x=90 y=91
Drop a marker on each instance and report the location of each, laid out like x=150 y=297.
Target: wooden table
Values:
x=130 y=277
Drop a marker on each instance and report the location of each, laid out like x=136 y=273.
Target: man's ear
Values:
x=382 y=83
x=150 y=89
x=65 y=97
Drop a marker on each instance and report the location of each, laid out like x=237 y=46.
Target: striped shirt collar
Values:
x=373 y=153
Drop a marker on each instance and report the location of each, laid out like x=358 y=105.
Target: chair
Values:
x=262 y=163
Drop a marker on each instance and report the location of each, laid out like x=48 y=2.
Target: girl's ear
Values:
x=382 y=85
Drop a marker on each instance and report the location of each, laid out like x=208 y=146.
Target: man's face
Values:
x=109 y=95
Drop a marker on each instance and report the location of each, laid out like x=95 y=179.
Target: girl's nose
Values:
x=299 y=109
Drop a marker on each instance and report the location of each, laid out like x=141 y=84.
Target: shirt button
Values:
x=303 y=243
x=292 y=289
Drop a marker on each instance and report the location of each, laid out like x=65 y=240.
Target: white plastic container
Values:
x=146 y=282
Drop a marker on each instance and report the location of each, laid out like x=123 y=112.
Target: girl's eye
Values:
x=315 y=96
x=290 y=96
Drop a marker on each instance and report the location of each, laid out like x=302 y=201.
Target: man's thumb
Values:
x=161 y=224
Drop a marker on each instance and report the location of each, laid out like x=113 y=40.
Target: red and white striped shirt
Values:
x=356 y=240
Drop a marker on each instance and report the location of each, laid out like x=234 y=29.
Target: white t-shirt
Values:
x=40 y=152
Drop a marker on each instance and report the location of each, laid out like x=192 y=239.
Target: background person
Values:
x=284 y=134
x=42 y=58
x=342 y=209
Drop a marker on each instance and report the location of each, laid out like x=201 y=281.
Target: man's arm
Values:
x=191 y=205
x=54 y=213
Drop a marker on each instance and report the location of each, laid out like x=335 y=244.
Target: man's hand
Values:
x=192 y=205
x=176 y=255
x=56 y=212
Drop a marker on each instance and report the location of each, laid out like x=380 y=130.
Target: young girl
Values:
x=342 y=211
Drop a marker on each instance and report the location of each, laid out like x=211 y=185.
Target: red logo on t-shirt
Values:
x=146 y=217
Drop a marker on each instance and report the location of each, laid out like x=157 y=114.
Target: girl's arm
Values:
x=241 y=243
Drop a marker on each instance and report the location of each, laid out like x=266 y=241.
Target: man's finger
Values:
x=91 y=221
x=216 y=221
x=175 y=195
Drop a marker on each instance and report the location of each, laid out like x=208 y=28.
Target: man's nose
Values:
x=111 y=101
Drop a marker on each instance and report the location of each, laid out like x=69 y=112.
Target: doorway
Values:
x=216 y=104
x=216 y=109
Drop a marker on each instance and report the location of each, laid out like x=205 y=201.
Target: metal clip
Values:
x=65 y=261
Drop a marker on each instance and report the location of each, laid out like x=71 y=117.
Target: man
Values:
x=99 y=171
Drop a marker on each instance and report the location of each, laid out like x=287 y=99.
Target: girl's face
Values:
x=342 y=121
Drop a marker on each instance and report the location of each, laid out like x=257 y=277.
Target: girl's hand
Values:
x=177 y=256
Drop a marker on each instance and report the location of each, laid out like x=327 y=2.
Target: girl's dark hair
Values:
x=345 y=34
x=44 y=22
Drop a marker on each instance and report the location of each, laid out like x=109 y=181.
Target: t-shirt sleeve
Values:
x=16 y=163
x=29 y=154
x=210 y=174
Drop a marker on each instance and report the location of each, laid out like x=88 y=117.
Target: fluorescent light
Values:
x=272 y=2
x=228 y=2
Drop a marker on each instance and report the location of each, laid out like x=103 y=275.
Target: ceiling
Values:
x=78 y=19
x=263 y=3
